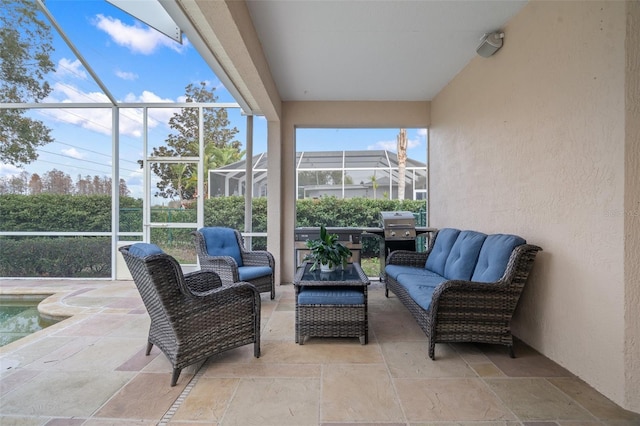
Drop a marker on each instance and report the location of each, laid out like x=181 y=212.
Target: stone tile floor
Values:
x=90 y=369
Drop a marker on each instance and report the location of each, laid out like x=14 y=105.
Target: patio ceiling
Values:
x=395 y=50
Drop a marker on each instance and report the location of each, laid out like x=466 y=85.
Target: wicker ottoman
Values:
x=335 y=306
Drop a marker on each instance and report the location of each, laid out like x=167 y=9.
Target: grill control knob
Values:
x=393 y=233
x=406 y=233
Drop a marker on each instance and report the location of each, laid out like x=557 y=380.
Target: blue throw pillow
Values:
x=464 y=255
x=222 y=242
x=441 y=249
x=144 y=249
x=494 y=256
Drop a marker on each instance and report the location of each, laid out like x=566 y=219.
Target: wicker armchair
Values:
x=467 y=311
x=193 y=316
x=222 y=250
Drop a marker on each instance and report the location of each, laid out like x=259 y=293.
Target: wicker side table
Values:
x=331 y=304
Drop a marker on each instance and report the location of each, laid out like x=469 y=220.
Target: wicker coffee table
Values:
x=331 y=304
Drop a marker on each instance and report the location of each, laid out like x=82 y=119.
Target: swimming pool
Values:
x=19 y=317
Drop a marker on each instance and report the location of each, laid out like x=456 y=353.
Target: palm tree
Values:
x=402 y=161
x=374 y=183
x=214 y=158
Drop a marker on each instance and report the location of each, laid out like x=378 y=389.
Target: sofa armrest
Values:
x=407 y=258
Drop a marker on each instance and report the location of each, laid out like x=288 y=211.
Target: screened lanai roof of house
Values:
x=323 y=160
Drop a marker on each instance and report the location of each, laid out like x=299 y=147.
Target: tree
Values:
x=179 y=179
x=374 y=184
x=123 y=189
x=57 y=182
x=35 y=184
x=402 y=161
x=25 y=48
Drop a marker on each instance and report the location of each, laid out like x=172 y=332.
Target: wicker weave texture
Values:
x=332 y=320
x=467 y=311
x=227 y=268
x=194 y=315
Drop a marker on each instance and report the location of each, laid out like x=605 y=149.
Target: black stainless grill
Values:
x=398 y=232
x=398 y=226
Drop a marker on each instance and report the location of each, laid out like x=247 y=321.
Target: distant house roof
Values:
x=332 y=160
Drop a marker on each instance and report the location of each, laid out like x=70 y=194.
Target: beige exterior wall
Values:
x=327 y=114
x=532 y=141
x=632 y=207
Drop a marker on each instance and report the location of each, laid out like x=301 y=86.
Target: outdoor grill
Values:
x=398 y=226
x=398 y=231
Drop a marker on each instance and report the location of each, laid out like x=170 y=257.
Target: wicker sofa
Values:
x=465 y=287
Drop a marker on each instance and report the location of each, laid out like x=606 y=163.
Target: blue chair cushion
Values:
x=494 y=256
x=463 y=256
x=248 y=273
x=221 y=242
x=144 y=249
x=331 y=295
x=441 y=249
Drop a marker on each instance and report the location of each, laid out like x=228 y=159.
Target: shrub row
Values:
x=90 y=256
x=55 y=257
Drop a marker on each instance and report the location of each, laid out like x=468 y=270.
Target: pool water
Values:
x=20 y=318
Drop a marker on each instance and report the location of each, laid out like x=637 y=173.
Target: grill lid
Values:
x=398 y=225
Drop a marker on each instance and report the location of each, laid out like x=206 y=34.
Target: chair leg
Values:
x=512 y=354
x=432 y=350
x=175 y=375
x=149 y=346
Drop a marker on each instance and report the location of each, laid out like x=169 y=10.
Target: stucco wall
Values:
x=632 y=206
x=531 y=141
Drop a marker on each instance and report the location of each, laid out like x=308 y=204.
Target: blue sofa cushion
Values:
x=394 y=271
x=410 y=281
x=144 y=249
x=494 y=256
x=221 y=242
x=331 y=295
x=248 y=273
x=421 y=294
x=441 y=249
x=463 y=256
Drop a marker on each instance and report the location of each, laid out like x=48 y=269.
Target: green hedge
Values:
x=55 y=257
x=59 y=213
x=90 y=256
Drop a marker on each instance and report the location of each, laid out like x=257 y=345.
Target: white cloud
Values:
x=393 y=145
x=137 y=38
x=156 y=115
x=125 y=75
x=99 y=119
x=388 y=145
x=68 y=68
x=74 y=153
x=9 y=170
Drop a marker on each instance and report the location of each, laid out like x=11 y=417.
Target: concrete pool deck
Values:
x=90 y=369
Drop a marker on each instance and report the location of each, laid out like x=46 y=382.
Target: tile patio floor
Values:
x=91 y=370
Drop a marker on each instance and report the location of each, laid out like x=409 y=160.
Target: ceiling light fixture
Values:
x=490 y=44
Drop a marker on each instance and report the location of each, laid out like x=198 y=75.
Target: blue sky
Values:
x=138 y=64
